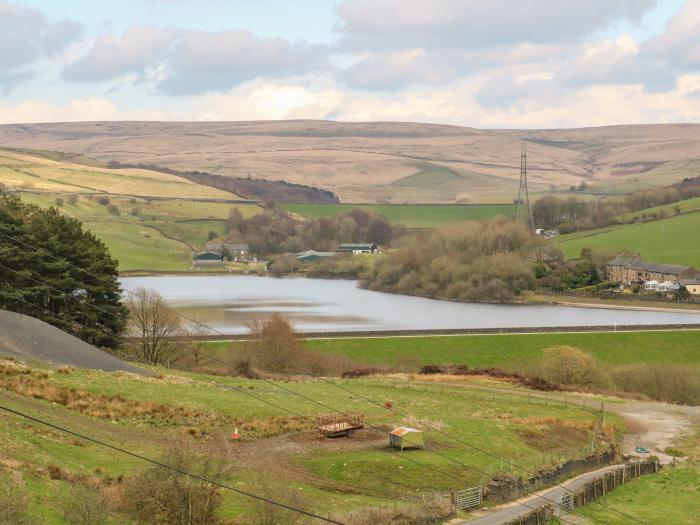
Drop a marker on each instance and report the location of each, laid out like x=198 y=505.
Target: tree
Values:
x=163 y=496
x=194 y=342
x=58 y=272
x=153 y=323
x=274 y=344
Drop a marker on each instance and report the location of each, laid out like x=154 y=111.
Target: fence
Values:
x=618 y=296
x=467 y=498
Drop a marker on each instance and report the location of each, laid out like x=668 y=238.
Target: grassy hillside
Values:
x=409 y=215
x=23 y=171
x=513 y=351
x=672 y=240
x=173 y=408
x=148 y=234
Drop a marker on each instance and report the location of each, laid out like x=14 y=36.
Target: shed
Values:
x=208 y=258
x=312 y=255
x=406 y=437
x=356 y=248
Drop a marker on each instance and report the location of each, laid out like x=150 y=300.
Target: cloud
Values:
x=397 y=24
x=392 y=71
x=26 y=36
x=92 y=108
x=112 y=56
x=201 y=61
x=679 y=43
x=187 y=62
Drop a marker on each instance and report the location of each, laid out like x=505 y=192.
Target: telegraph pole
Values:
x=523 y=198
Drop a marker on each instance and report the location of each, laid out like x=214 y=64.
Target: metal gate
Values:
x=564 y=504
x=467 y=498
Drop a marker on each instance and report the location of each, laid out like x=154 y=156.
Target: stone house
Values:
x=632 y=270
x=237 y=252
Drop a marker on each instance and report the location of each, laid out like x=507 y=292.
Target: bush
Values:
x=267 y=514
x=667 y=382
x=103 y=200
x=570 y=366
x=163 y=496
x=14 y=504
x=86 y=505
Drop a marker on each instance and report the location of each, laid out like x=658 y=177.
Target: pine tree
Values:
x=55 y=267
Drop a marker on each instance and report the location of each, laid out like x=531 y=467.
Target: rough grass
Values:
x=667 y=241
x=409 y=215
x=497 y=422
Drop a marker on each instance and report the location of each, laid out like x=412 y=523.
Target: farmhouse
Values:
x=356 y=248
x=208 y=259
x=236 y=252
x=632 y=270
x=692 y=285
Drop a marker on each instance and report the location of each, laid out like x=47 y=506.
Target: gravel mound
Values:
x=25 y=337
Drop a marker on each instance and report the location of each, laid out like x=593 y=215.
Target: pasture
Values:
x=409 y=215
x=176 y=407
x=670 y=241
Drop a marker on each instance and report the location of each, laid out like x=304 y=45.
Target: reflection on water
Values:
x=228 y=303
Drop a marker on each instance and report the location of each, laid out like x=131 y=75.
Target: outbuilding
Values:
x=356 y=248
x=208 y=259
x=406 y=437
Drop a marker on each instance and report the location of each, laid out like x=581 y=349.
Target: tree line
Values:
x=275 y=231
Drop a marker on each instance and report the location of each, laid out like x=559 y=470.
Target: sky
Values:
x=484 y=64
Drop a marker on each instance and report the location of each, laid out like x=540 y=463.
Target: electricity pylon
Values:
x=522 y=190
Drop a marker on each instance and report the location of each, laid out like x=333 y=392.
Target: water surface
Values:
x=228 y=303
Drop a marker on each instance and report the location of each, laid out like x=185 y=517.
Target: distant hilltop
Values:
x=392 y=162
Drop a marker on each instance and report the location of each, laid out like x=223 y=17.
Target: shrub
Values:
x=163 y=496
x=667 y=382
x=14 y=503
x=103 y=200
x=86 y=505
x=567 y=365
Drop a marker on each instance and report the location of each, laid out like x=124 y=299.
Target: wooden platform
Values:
x=340 y=424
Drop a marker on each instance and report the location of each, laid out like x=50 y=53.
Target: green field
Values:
x=409 y=215
x=685 y=206
x=515 y=351
x=162 y=237
x=670 y=497
x=670 y=241
x=510 y=426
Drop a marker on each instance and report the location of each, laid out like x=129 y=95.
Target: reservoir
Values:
x=229 y=303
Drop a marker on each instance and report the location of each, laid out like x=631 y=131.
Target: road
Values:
x=518 y=509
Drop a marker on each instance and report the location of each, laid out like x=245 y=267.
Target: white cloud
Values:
x=92 y=108
x=25 y=37
x=391 y=24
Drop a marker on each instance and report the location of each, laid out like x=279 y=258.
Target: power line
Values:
x=278 y=386
x=466 y=443
x=401 y=456
x=170 y=467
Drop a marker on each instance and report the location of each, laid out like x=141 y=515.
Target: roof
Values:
x=686 y=282
x=622 y=260
x=313 y=253
x=402 y=431
x=669 y=269
x=207 y=256
x=357 y=246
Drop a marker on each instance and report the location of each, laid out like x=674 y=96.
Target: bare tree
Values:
x=194 y=342
x=163 y=496
x=153 y=323
x=274 y=344
x=267 y=514
x=86 y=505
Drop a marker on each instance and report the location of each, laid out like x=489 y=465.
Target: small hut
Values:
x=406 y=437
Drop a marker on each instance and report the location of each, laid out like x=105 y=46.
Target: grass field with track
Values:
x=409 y=215
x=508 y=425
